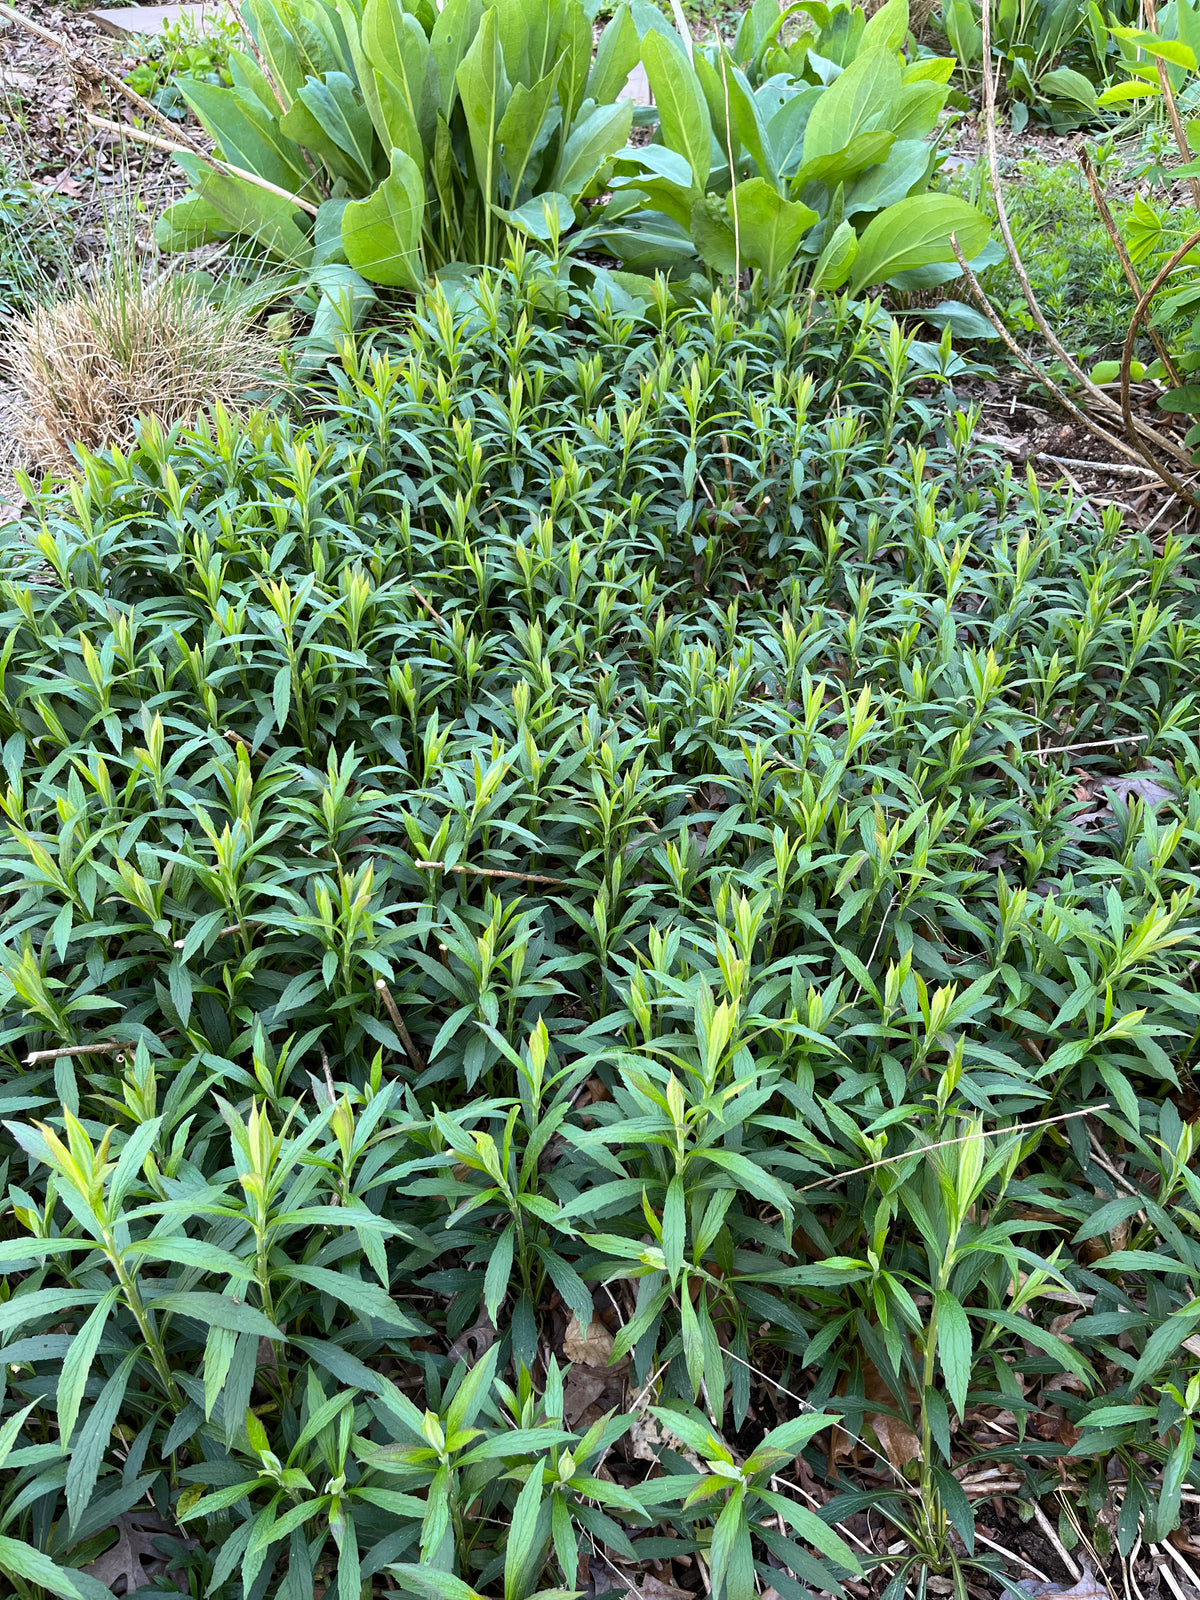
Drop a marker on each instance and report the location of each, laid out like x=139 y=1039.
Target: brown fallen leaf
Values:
x=900 y=1443
x=652 y=1588
x=581 y=1389
x=120 y=1569
x=593 y=1348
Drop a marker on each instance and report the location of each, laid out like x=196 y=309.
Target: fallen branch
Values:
x=1061 y=398
x=1093 y=744
x=1104 y=402
x=1118 y=244
x=491 y=872
x=105 y=1049
x=140 y=136
x=86 y=63
x=406 y=1039
x=1136 y=434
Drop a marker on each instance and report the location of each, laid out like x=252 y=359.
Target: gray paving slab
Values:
x=637 y=88
x=126 y=22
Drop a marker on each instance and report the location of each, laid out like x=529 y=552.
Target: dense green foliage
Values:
x=1155 y=235
x=390 y=140
x=782 y=699
x=185 y=49
x=1050 y=57
x=1072 y=266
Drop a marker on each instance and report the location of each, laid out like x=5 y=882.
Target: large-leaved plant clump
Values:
x=397 y=138
x=806 y=159
x=377 y=141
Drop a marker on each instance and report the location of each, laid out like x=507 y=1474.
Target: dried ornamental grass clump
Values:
x=87 y=367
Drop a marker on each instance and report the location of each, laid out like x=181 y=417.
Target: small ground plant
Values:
x=620 y=846
x=1073 y=269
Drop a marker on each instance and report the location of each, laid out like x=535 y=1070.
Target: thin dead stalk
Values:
x=181 y=141
x=1104 y=402
x=1060 y=397
x=1094 y=744
x=1118 y=244
x=1135 y=432
x=1164 y=81
x=86 y=64
x=945 y=1144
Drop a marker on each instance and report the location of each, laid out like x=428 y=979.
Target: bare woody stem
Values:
x=109 y=1047
x=140 y=136
x=1118 y=244
x=1031 y=366
x=113 y=79
x=1103 y=402
x=406 y=1039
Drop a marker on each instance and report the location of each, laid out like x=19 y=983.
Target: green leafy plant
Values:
x=407 y=141
x=1051 y=55
x=565 y=866
x=185 y=49
x=1075 y=273
x=396 y=141
x=804 y=160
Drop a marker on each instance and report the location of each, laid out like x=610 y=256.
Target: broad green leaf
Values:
x=456 y=26
x=858 y=102
x=953 y=1347
x=769 y=228
x=713 y=235
x=575 y=54
x=77 y=1365
x=682 y=111
x=864 y=150
x=918 y=107
x=887 y=27
x=617 y=53
x=905 y=167
x=382 y=234
x=246 y=135
x=521 y=127
x=217 y=1311
x=343 y=119
x=495 y=1279
x=1064 y=83
x=543 y=217
x=252 y=211
x=25 y=1561
x=278 y=49
x=914 y=233
x=189 y=223
x=484 y=89
x=363 y=1297
x=522 y=1549
x=592 y=141
x=1154 y=44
